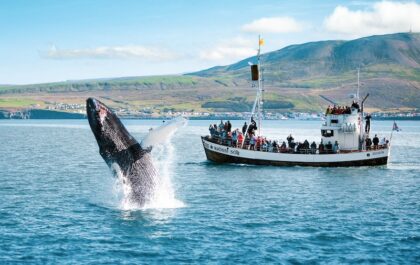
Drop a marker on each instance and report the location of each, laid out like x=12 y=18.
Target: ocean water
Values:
x=59 y=202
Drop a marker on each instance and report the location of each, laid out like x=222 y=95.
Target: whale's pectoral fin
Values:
x=160 y=134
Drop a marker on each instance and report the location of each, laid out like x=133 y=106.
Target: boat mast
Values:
x=257 y=77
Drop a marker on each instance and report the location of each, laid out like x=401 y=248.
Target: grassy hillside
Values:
x=126 y=83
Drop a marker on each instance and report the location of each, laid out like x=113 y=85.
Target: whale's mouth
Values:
x=92 y=104
x=96 y=111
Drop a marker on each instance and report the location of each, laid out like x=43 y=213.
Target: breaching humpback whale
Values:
x=122 y=152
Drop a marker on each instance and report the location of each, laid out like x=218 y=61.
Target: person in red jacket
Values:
x=240 y=139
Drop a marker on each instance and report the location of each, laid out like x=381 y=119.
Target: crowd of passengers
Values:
x=223 y=134
x=338 y=110
x=375 y=143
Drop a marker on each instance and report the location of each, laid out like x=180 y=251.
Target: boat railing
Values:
x=229 y=142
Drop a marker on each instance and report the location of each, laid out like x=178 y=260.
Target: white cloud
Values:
x=273 y=25
x=116 y=52
x=234 y=49
x=382 y=18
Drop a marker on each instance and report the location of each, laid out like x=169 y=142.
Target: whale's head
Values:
x=110 y=133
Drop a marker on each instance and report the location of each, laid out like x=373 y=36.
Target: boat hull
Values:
x=223 y=154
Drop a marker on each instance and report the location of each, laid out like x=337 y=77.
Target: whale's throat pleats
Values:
x=137 y=172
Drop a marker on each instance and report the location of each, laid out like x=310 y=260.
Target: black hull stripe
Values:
x=222 y=158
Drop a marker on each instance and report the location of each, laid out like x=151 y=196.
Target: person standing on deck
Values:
x=355 y=105
x=211 y=129
x=313 y=148
x=321 y=147
x=235 y=138
x=283 y=147
x=328 y=111
x=375 y=142
x=329 y=147
x=252 y=142
x=221 y=126
x=336 y=148
x=367 y=126
x=244 y=128
x=240 y=138
x=368 y=143
x=289 y=139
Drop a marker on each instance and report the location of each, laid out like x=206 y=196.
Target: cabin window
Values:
x=327 y=133
x=334 y=121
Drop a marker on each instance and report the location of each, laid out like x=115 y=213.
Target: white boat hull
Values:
x=224 y=154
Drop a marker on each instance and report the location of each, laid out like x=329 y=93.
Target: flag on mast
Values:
x=261 y=42
x=395 y=127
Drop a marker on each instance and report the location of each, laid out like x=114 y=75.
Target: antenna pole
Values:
x=362 y=117
x=358 y=83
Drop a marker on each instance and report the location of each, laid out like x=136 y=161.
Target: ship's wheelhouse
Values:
x=343 y=128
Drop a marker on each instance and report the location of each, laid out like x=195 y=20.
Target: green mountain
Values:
x=332 y=58
x=390 y=70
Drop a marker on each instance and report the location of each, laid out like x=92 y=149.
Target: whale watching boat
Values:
x=345 y=139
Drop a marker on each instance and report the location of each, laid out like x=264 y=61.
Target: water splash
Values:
x=164 y=195
x=122 y=191
x=163 y=156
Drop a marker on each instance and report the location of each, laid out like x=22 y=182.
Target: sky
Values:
x=50 y=41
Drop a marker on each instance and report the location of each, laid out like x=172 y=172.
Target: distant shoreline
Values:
x=36 y=114
x=57 y=115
